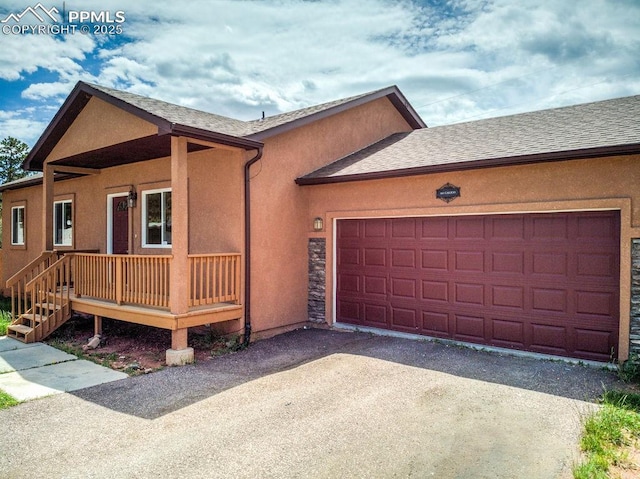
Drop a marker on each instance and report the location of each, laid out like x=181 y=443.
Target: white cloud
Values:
x=464 y=60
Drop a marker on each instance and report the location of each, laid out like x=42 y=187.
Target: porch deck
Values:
x=133 y=288
x=157 y=317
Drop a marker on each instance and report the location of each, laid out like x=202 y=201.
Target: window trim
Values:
x=143 y=223
x=22 y=207
x=63 y=201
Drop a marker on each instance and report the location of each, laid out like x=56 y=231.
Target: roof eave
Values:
x=214 y=137
x=586 y=153
x=392 y=93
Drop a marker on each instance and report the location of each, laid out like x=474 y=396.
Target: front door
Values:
x=120 y=222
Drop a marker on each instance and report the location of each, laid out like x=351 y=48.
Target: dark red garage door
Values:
x=539 y=282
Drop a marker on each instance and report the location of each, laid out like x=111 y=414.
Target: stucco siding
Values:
x=279 y=221
x=98 y=125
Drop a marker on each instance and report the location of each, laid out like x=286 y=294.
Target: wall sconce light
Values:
x=318 y=224
x=131 y=199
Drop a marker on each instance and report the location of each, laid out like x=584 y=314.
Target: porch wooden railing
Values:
x=215 y=278
x=17 y=283
x=133 y=279
x=144 y=279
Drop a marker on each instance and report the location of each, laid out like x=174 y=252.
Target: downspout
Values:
x=247 y=248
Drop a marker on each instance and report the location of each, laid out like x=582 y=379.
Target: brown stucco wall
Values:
x=215 y=199
x=604 y=183
x=98 y=125
x=279 y=218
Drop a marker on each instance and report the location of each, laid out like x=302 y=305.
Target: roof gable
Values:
x=170 y=119
x=602 y=128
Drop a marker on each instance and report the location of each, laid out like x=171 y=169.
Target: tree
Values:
x=12 y=154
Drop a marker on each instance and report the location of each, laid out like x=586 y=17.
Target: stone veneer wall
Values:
x=317 y=279
x=634 y=336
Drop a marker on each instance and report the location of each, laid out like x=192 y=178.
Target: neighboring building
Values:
x=517 y=232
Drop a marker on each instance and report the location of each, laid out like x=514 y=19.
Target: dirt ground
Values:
x=134 y=348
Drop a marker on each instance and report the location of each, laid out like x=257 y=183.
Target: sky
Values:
x=456 y=60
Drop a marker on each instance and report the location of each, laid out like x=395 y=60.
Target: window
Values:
x=156 y=218
x=62 y=223
x=17 y=225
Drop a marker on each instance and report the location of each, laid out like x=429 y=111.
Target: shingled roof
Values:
x=602 y=128
x=174 y=119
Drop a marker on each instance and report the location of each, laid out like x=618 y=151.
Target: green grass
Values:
x=5 y=314
x=6 y=400
x=607 y=434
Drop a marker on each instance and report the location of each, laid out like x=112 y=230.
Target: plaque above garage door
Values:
x=547 y=283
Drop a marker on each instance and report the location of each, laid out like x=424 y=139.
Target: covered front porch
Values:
x=133 y=288
x=142 y=218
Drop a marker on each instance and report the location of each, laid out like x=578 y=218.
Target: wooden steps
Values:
x=21 y=332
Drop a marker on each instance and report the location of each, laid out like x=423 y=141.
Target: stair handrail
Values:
x=17 y=282
x=36 y=264
x=51 y=290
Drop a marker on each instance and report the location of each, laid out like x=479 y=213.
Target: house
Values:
x=517 y=232
x=167 y=216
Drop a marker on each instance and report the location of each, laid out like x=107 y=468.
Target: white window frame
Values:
x=145 y=194
x=67 y=233
x=15 y=224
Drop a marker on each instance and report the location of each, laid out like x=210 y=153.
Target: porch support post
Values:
x=97 y=325
x=179 y=353
x=47 y=208
x=179 y=288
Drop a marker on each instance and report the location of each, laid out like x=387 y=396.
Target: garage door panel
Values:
x=375 y=285
x=469 y=293
x=595 y=227
x=436 y=323
x=469 y=261
x=374 y=229
x=508 y=297
x=550 y=227
x=434 y=228
x=507 y=333
x=552 y=339
x=471 y=227
x=403 y=258
x=507 y=262
x=541 y=282
x=375 y=257
x=349 y=311
x=593 y=342
x=348 y=256
x=600 y=265
x=435 y=290
x=596 y=303
x=469 y=328
x=404 y=319
x=404 y=228
x=435 y=260
x=403 y=288
x=549 y=300
x=349 y=283
x=375 y=315
x=507 y=228
x=551 y=264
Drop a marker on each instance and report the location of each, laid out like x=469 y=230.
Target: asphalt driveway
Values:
x=315 y=403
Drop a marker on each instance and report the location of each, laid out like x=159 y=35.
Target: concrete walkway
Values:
x=30 y=371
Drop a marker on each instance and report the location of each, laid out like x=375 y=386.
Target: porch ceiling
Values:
x=140 y=149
